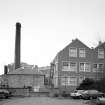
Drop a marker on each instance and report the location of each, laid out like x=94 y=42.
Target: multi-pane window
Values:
x=82 y=52
x=100 y=53
x=73 y=66
x=69 y=66
x=73 y=52
x=87 y=67
x=67 y=81
x=95 y=66
x=65 y=65
x=72 y=81
x=81 y=67
x=98 y=67
x=84 y=66
x=101 y=66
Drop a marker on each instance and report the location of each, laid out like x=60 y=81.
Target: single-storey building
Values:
x=25 y=77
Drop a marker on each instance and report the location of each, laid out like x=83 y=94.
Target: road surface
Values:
x=42 y=101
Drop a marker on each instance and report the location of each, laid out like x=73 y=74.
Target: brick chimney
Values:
x=5 y=69
x=100 y=42
x=17 y=45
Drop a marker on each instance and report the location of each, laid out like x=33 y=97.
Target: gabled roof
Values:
x=73 y=41
x=76 y=41
x=101 y=45
x=24 y=71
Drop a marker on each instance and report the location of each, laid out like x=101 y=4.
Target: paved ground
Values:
x=41 y=101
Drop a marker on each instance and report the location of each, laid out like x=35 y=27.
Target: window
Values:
x=82 y=52
x=72 y=81
x=100 y=53
x=87 y=67
x=73 y=52
x=101 y=66
x=84 y=66
x=69 y=66
x=67 y=81
x=95 y=66
x=65 y=65
x=98 y=67
x=73 y=66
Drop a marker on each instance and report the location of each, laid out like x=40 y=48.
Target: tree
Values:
x=91 y=84
x=101 y=85
x=86 y=84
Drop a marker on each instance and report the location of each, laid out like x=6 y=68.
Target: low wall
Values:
x=34 y=94
x=28 y=92
x=18 y=91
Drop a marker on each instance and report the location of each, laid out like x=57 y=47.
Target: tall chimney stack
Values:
x=17 y=45
x=5 y=69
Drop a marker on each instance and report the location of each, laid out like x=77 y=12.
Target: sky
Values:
x=47 y=27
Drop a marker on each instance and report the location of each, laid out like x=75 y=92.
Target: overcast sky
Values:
x=47 y=27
